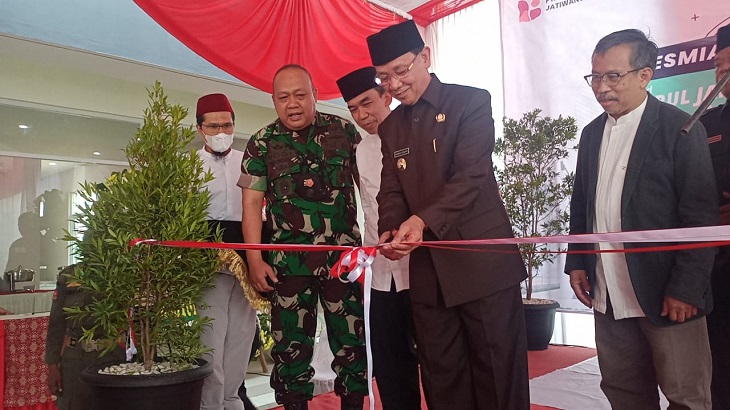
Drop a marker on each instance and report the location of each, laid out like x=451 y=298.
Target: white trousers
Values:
x=230 y=336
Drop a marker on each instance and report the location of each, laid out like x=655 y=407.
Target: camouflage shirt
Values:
x=308 y=179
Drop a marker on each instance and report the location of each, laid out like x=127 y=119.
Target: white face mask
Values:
x=219 y=142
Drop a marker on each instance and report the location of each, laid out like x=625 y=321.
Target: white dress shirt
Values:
x=370 y=164
x=612 y=272
x=225 y=194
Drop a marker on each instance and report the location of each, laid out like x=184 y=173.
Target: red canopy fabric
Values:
x=252 y=39
x=437 y=9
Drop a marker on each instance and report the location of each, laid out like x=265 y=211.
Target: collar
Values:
x=433 y=91
x=204 y=152
x=725 y=110
x=632 y=116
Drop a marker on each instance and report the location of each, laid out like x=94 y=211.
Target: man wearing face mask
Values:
x=234 y=320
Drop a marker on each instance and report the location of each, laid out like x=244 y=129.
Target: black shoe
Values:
x=351 y=402
x=300 y=405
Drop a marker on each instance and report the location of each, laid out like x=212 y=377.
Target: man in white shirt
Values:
x=234 y=320
x=636 y=171
x=395 y=364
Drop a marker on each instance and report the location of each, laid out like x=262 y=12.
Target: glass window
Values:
x=44 y=156
x=37 y=199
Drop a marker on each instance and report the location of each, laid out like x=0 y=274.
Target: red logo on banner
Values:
x=529 y=10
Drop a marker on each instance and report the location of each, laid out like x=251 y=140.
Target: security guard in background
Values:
x=66 y=354
x=717 y=124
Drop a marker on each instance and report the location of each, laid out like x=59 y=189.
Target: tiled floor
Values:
x=257 y=380
x=257 y=385
x=540 y=363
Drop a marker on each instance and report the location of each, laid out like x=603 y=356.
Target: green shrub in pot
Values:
x=535 y=193
x=148 y=289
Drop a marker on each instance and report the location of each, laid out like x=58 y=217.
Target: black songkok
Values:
x=357 y=82
x=394 y=41
x=723 y=38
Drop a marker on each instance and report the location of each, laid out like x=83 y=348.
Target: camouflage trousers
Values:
x=293 y=324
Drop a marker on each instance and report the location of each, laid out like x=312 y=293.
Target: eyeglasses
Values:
x=397 y=75
x=610 y=79
x=227 y=127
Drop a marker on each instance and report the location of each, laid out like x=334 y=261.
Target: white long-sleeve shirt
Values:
x=612 y=272
x=225 y=194
x=370 y=164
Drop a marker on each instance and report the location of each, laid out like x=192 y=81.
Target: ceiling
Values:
x=63 y=133
x=403 y=5
x=59 y=133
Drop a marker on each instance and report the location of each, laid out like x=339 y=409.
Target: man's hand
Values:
x=259 y=270
x=55 y=385
x=4 y=311
x=409 y=232
x=387 y=250
x=725 y=210
x=677 y=310
x=581 y=286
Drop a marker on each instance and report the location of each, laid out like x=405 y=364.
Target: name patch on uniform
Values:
x=716 y=138
x=401 y=152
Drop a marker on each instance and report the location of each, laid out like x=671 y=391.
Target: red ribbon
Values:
x=355 y=262
x=692 y=238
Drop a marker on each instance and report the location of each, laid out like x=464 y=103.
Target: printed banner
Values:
x=685 y=74
x=547 y=47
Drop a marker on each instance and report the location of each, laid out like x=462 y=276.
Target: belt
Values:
x=86 y=345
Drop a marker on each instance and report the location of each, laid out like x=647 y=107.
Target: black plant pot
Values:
x=168 y=391
x=540 y=322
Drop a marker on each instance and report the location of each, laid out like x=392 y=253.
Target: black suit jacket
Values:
x=669 y=184
x=444 y=144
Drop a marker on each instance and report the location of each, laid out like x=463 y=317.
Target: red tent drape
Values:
x=437 y=9
x=251 y=39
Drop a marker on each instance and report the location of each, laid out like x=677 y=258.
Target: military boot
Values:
x=351 y=402
x=300 y=405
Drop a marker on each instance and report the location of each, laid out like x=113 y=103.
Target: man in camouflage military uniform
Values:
x=66 y=354
x=304 y=165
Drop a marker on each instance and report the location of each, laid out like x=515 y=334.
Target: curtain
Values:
x=466 y=49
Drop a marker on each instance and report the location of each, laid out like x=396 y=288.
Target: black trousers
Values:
x=474 y=356
x=718 y=329
x=395 y=363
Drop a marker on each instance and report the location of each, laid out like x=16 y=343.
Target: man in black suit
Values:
x=717 y=124
x=636 y=171
x=438 y=183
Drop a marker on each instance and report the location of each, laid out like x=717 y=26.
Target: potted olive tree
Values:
x=145 y=294
x=536 y=196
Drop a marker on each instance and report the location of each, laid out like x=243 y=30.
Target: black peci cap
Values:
x=723 y=38
x=394 y=41
x=357 y=82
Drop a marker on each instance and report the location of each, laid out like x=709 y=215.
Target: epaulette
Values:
x=713 y=109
